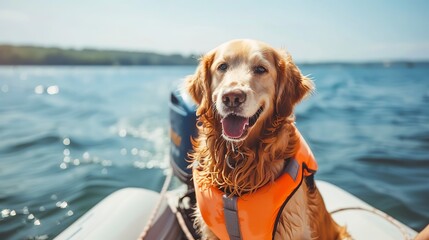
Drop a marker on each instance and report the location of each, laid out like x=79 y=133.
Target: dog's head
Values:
x=245 y=83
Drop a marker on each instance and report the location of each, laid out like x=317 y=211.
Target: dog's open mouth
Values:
x=235 y=126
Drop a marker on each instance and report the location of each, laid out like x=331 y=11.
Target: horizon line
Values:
x=197 y=55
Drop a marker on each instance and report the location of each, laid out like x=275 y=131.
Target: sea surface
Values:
x=70 y=136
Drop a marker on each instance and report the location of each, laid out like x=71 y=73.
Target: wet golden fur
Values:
x=266 y=144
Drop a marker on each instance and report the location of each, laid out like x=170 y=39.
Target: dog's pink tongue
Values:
x=233 y=125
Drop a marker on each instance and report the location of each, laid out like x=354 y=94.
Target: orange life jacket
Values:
x=254 y=215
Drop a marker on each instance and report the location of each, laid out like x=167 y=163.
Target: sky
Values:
x=312 y=31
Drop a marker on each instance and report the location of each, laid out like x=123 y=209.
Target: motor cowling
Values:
x=182 y=129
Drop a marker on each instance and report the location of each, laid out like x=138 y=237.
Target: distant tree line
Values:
x=31 y=55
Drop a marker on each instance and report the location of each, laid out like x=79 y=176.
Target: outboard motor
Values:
x=182 y=128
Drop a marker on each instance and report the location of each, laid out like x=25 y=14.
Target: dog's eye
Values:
x=223 y=67
x=259 y=70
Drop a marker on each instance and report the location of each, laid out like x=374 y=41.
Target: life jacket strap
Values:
x=231 y=217
x=292 y=168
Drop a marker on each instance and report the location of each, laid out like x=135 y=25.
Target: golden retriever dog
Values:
x=245 y=92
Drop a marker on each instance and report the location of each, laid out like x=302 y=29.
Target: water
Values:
x=69 y=136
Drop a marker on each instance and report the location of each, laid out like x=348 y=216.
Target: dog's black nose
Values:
x=233 y=98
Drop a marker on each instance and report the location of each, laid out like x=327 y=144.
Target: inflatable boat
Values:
x=133 y=213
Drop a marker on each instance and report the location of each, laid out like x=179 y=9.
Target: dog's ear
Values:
x=198 y=84
x=291 y=86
